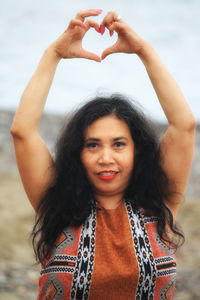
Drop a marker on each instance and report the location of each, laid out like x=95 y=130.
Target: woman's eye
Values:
x=92 y=145
x=119 y=144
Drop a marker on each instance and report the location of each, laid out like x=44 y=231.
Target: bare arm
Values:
x=178 y=142
x=33 y=158
x=35 y=163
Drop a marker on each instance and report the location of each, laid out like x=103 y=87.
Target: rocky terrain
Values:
x=19 y=275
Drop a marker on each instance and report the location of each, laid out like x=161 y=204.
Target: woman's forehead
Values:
x=108 y=126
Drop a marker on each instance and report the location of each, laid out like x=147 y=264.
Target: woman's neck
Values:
x=109 y=202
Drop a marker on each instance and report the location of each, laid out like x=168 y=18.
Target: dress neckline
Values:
x=99 y=206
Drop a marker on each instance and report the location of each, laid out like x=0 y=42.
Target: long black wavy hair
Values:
x=69 y=200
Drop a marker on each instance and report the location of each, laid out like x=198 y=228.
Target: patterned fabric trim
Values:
x=165 y=266
x=84 y=265
x=60 y=264
x=53 y=290
x=56 y=276
x=144 y=254
x=150 y=220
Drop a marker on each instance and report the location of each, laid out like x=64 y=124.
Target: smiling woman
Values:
x=106 y=206
x=108 y=158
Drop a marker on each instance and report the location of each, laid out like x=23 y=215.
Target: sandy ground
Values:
x=16 y=255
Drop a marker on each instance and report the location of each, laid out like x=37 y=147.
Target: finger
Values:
x=109 y=19
x=101 y=29
x=115 y=26
x=75 y=22
x=88 y=13
x=91 y=23
x=90 y=55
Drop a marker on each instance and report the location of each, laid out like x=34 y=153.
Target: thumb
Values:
x=90 y=55
x=108 y=51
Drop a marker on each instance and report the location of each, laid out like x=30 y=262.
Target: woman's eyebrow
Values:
x=92 y=139
x=120 y=138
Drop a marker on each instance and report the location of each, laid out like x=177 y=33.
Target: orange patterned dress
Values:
x=116 y=255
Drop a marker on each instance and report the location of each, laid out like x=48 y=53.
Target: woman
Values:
x=107 y=205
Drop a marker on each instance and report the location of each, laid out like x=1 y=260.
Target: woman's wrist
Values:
x=144 y=51
x=52 y=54
x=147 y=54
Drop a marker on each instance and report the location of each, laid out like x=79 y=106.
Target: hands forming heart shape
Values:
x=69 y=44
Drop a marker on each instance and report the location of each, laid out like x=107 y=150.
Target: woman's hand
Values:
x=69 y=44
x=128 y=41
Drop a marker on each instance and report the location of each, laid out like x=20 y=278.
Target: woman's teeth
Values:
x=107 y=173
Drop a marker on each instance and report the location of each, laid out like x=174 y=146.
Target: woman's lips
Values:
x=107 y=175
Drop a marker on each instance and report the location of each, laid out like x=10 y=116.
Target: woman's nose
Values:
x=106 y=156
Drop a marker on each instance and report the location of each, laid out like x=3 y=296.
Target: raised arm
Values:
x=35 y=163
x=178 y=142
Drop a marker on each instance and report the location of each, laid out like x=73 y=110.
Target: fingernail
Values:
x=100 y=31
x=98 y=11
x=110 y=33
x=84 y=26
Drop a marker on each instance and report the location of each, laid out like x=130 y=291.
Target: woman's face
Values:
x=108 y=156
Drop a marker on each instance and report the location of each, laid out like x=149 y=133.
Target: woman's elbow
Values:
x=14 y=130
x=17 y=131
x=188 y=124
x=192 y=124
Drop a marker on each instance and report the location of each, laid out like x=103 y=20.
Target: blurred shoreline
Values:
x=18 y=275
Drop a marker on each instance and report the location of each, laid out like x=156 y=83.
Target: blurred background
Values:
x=27 y=27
